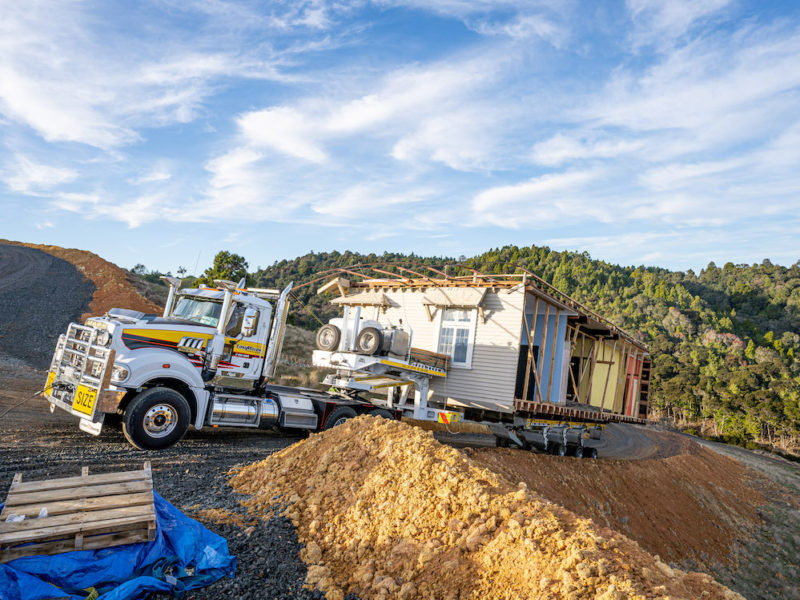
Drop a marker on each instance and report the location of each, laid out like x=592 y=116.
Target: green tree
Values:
x=226 y=266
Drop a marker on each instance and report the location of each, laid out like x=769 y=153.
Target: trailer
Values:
x=510 y=352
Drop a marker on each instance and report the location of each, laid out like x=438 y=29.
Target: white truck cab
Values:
x=207 y=360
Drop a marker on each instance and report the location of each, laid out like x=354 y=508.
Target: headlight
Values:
x=102 y=339
x=119 y=373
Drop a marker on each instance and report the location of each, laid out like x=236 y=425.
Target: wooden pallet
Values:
x=83 y=513
x=433 y=359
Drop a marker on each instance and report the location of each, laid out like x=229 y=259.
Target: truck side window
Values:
x=235 y=322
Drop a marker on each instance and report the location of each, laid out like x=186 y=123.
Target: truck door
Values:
x=243 y=353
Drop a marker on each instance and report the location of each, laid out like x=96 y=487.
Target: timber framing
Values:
x=377 y=276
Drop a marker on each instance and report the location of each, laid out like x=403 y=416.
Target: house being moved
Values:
x=511 y=342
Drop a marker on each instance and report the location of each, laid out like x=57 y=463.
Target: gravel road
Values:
x=39 y=296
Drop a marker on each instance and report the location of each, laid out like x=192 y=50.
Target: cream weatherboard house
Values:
x=511 y=340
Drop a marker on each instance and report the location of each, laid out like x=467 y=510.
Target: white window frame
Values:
x=473 y=323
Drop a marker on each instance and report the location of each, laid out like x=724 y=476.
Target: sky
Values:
x=656 y=132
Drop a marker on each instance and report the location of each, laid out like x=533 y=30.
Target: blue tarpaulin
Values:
x=184 y=556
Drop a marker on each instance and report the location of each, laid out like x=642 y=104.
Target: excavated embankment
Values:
x=113 y=287
x=687 y=508
x=385 y=510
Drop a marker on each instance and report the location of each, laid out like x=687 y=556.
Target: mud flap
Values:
x=89 y=427
x=504 y=434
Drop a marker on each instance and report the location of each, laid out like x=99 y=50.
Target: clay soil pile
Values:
x=385 y=510
x=688 y=508
x=114 y=288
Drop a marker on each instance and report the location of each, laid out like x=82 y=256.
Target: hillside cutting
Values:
x=39 y=295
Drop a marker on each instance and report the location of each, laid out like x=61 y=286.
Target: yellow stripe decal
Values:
x=167 y=335
x=412 y=367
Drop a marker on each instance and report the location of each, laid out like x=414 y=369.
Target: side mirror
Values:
x=250 y=322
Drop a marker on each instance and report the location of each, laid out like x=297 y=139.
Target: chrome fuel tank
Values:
x=243 y=411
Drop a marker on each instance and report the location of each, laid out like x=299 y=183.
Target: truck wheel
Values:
x=328 y=337
x=156 y=419
x=338 y=416
x=368 y=341
x=381 y=412
x=578 y=452
x=559 y=449
x=590 y=453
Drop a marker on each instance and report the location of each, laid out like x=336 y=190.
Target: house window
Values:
x=456 y=335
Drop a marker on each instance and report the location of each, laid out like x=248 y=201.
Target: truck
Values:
x=208 y=360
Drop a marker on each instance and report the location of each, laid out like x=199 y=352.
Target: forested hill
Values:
x=723 y=340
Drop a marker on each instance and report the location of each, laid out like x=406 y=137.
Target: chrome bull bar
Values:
x=79 y=374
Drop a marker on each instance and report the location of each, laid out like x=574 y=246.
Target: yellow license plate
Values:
x=51 y=377
x=84 y=400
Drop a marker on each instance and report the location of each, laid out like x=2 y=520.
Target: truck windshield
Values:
x=199 y=310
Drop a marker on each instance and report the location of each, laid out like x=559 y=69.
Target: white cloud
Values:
x=659 y=22
x=678 y=175
x=27 y=176
x=367 y=202
x=283 y=129
x=539 y=200
x=156 y=175
x=63 y=76
x=428 y=112
x=563 y=148
x=526 y=26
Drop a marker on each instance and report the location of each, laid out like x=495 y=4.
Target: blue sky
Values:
x=659 y=132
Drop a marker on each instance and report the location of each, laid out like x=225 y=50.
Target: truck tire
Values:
x=381 y=412
x=578 y=452
x=338 y=416
x=328 y=337
x=559 y=449
x=156 y=419
x=368 y=341
x=590 y=453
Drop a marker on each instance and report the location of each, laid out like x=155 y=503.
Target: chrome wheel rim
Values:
x=368 y=340
x=160 y=420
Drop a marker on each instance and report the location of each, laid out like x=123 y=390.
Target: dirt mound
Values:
x=385 y=510
x=688 y=507
x=113 y=286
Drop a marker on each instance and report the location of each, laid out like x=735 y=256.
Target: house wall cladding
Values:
x=490 y=381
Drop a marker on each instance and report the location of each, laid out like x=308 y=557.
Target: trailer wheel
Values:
x=578 y=451
x=590 y=453
x=328 y=337
x=156 y=419
x=339 y=416
x=368 y=341
x=381 y=412
x=560 y=450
